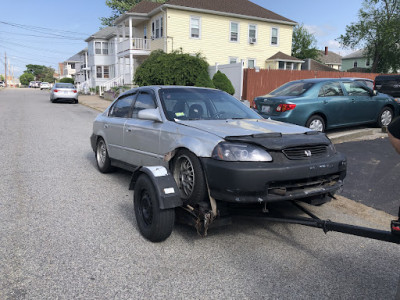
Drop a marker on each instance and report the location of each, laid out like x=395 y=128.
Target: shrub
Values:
x=204 y=80
x=176 y=68
x=67 y=80
x=222 y=82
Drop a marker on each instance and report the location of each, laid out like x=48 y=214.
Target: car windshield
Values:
x=64 y=86
x=292 y=89
x=203 y=104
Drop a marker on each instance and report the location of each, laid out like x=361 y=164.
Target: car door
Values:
x=363 y=106
x=114 y=125
x=142 y=137
x=335 y=103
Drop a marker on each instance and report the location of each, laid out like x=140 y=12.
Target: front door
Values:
x=142 y=137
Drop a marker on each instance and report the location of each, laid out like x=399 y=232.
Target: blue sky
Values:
x=73 y=21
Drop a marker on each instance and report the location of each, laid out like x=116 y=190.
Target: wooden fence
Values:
x=257 y=83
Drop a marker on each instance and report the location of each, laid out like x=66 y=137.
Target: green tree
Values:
x=1 y=77
x=222 y=82
x=176 y=68
x=377 y=31
x=41 y=73
x=119 y=7
x=304 y=44
x=26 y=78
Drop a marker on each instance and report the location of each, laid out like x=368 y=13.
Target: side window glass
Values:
x=122 y=107
x=144 y=100
x=331 y=89
x=355 y=89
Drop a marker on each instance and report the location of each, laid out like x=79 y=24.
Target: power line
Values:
x=41 y=36
x=49 y=31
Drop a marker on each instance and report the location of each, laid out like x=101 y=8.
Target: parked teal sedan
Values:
x=325 y=103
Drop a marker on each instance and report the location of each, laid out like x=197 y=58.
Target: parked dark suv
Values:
x=388 y=84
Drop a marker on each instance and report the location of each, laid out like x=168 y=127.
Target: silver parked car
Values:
x=215 y=147
x=64 y=91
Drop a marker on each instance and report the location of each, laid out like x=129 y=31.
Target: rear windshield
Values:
x=292 y=89
x=64 y=86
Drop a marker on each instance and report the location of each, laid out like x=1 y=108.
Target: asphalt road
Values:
x=373 y=174
x=68 y=232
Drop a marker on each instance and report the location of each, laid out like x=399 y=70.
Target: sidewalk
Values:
x=337 y=136
x=94 y=101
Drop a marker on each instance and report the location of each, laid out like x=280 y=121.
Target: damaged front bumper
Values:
x=258 y=182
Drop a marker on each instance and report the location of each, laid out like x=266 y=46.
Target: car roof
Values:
x=160 y=87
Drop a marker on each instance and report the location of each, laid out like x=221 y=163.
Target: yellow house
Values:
x=223 y=31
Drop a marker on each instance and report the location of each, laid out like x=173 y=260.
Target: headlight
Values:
x=240 y=152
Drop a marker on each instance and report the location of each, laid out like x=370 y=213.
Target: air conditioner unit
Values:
x=253 y=40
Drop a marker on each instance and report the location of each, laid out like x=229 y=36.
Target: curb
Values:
x=341 y=137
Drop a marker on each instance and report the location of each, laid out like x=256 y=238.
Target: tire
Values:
x=76 y=101
x=189 y=176
x=316 y=123
x=102 y=159
x=385 y=117
x=154 y=224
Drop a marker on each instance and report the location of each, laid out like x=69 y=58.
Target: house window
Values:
x=97 y=46
x=157 y=28
x=101 y=48
x=274 y=36
x=106 y=72
x=72 y=66
x=251 y=63
x=355 y=65
x=232 y=60
x=252 y=34
x=161 y=27
x=281 y=65
x=234 y=37
x=102 y=71
x=104 y=46
x=289 y=66
x=195 y=27
x=367 y=63
x=99 y=72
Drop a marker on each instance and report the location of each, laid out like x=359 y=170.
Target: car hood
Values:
x=244 y=127
x=269 y=134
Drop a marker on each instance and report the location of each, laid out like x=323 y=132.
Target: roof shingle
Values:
x=238 y=7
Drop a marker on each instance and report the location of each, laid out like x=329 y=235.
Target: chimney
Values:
x=326 y=50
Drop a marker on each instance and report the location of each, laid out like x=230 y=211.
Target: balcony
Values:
x=138 y=46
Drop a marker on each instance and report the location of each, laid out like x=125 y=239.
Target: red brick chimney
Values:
x=326 y=50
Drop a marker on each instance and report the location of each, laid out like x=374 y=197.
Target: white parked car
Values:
x=44 y=85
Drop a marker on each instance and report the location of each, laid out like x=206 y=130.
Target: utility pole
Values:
x=5 y=68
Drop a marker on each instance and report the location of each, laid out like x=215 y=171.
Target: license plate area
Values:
x=266 y=109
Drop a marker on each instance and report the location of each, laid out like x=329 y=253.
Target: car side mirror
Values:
x=374 y=93
x=152 y=114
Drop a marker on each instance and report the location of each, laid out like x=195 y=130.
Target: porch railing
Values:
x=117 y=81
x=137 y=44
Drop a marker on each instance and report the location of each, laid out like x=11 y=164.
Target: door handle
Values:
x=106 y=125
x=128 y=130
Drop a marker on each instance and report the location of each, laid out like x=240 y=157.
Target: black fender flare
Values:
x=165 y=186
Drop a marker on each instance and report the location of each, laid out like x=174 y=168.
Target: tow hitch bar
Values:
x=392 y=236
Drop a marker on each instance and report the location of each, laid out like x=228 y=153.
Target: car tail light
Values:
x=374 y=86
x=55 y=91
x=75 y=91
x=285 y=107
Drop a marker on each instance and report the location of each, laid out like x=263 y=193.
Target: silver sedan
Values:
x=64 y=92
x=216 y=148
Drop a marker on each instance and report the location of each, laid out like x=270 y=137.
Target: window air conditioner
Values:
x=253 y=40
